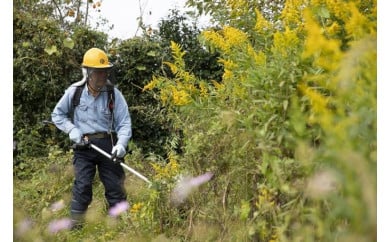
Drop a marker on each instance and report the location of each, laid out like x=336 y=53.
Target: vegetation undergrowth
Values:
x=289 y=134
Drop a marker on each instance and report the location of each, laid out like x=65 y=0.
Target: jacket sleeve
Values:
x=122 y=119
x=60 y=114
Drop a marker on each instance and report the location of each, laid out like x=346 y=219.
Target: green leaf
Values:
x=285 y=105
x=151 y=53
x=50 y=50
x=245 y=209
x=68 y=43
x=141 y=68
x=26 y=44
x=323 y=12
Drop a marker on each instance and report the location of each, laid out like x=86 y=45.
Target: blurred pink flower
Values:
x=187 y=185
x=24 y=226
x=57 y=206
x=60 y=224
x=119 y=208
x=322 y=184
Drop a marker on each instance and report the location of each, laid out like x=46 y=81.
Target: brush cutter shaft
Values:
x=100 y=151
x=135 y=172
x=121 y=163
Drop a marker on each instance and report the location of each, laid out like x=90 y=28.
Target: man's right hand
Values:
x=83 y=145
x=75 y=135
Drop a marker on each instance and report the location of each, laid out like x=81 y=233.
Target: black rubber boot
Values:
x=78 y=220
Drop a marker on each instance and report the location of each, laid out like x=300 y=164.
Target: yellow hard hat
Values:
x=96 y=58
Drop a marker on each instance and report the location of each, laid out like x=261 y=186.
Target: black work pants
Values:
x=111 y=175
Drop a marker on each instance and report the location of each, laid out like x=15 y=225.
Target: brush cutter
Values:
x=185 y=185
x=86 y=144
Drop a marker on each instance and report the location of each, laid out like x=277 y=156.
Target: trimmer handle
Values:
x=117 y=160
x=83 y=145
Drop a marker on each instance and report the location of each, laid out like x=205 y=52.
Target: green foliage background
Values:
x=277 y=100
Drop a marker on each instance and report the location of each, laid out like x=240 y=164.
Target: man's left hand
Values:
x=120 y=150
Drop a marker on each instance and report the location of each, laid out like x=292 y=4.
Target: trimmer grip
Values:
x=83 y=145
x=116 y=159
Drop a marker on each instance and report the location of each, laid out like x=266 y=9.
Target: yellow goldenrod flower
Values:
x=318 y=2
x=261 y=23
x=166 y=171
x=234 y=37
x=178 y=55
x=358 y=25
x=320 y=112
x=203 y=89
x=239 y=91
x=259 y=56
x=333 y=29
x=136 y=207
x=338 y=8
x=229 y=38
x=228 y=64
x=283 y=41
x=227 y=75
x=151 y=84
x=215 y=39
x=190 y=88
x=237 y=8
x=180 y=97
x=326 y=51
x=164 y=96
x=291 y=13
x=318 y=101
x=218 y=86
x=236 y=4
x=172 y=66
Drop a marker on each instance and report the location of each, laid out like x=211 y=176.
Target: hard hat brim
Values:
x=109 y=66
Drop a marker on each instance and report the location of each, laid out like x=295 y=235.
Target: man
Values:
x=101 y=117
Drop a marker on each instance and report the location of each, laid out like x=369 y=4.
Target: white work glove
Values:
x=75 y=135
x=119 y=149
